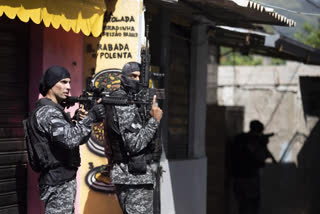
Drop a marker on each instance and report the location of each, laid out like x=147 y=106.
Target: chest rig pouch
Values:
x=137 y=165
x=137 y=162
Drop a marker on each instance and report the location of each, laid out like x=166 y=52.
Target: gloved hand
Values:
x=97 y=112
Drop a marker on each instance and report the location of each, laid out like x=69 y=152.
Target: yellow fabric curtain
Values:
x=84 y=15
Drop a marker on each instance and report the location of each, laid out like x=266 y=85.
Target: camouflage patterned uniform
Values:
x=136 y=198
x=135 y=192
x=59 y=199
x=51 y=121
x=58 y=185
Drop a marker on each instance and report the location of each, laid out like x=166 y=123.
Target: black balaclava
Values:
x=52 y=75
x=128 y=84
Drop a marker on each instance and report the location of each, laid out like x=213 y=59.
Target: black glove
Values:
x=97 y=112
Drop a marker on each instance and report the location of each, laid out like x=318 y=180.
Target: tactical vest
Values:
x=42 y=154
x=115 y=145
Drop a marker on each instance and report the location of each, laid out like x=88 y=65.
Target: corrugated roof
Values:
x=271 y=12
x=237 y=12
x=275 y=45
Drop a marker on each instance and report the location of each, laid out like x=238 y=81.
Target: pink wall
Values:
x=35 y=62
x=65 y=49
x=48 y=47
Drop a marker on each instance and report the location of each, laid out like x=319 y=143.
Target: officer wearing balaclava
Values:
x=53 y=141
x=130 y=77
x=133 y=143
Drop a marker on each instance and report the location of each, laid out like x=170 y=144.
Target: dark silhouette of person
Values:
x=248 y=154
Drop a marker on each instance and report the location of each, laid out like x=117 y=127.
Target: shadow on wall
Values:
x=286 y=187
x=309 y=162
x=290 y=189
x=282 y=189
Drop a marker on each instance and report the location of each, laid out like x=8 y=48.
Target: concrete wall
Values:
x=272 y=95
x=189 y=185
x=222 y=124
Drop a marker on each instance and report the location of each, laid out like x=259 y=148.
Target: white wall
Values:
x=270 y=94
x=189 y=187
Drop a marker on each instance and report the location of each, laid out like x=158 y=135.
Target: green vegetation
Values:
x=277 y=61
x=230 y=57
x=309 y=35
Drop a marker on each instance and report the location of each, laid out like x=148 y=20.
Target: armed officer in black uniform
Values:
x=53 y=141
x=132 y=135
x=248 y=155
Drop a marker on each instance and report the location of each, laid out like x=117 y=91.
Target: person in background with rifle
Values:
x=53 y=141
x=248 y=155
x=134 y=144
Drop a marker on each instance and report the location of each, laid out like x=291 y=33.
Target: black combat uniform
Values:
x=53 y=146
x=135 y=147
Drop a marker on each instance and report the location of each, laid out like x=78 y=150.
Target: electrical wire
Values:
x=288 y=10
x=313 y=3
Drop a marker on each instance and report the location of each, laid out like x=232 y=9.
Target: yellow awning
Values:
x=84 y=15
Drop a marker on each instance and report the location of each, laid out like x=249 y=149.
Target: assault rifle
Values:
x=90 y=96
x=265 y=141
x=144 y=97
x=145 y=76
